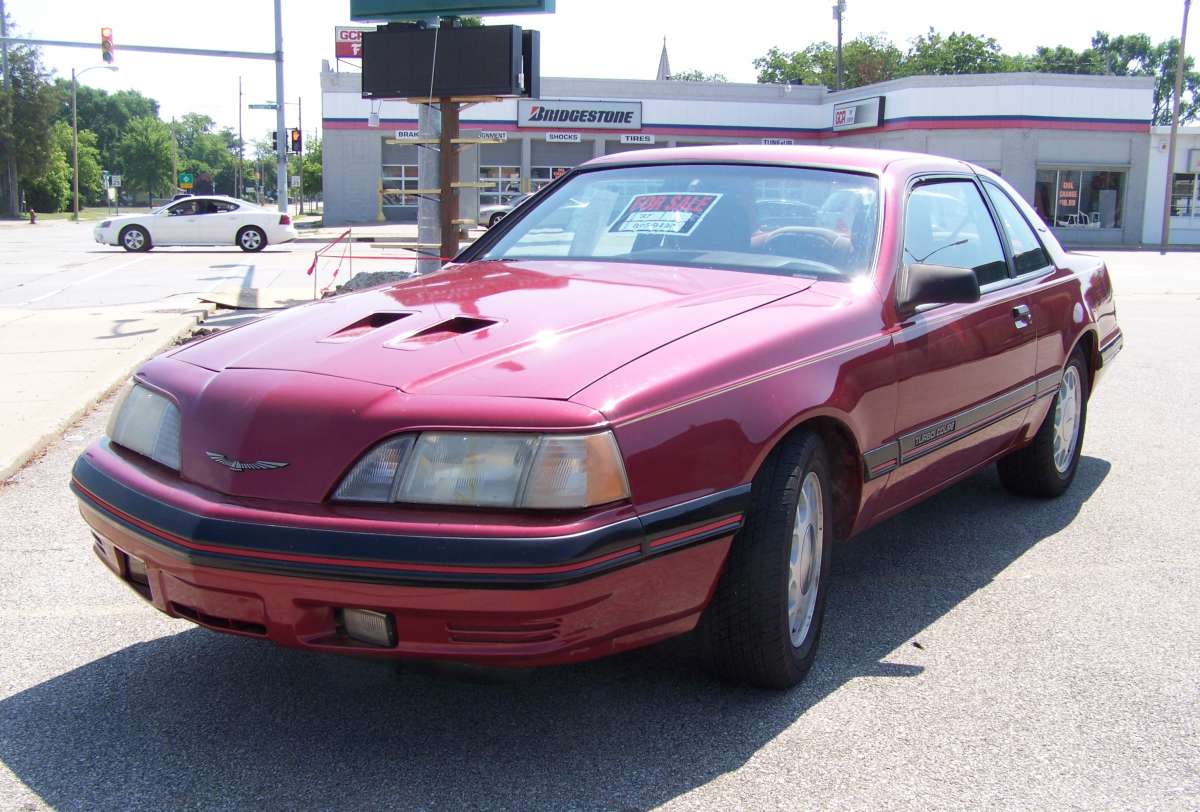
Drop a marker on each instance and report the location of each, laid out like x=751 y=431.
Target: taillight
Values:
x=284 y=220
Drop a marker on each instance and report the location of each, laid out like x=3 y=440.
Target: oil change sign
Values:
x=664 y=213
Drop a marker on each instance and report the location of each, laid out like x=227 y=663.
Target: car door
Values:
x=176 y=224
x=965 y=371
x=221 y=223
x=1051 y=304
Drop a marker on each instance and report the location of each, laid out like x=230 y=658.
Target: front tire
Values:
x=764 y=622
x=1046 y=467
x=495 y=218
x=135 y=238
x=251 y=239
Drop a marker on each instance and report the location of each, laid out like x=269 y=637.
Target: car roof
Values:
x=875 y=161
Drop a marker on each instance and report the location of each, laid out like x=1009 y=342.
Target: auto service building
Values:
x=1079 y=148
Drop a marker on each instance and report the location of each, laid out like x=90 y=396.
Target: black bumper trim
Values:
x=380 y=557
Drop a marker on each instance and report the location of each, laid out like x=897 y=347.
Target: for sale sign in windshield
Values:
x=664 y=213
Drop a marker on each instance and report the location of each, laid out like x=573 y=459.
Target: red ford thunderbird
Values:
x=648 y=403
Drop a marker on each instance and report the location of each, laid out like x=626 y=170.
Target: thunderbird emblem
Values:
x=261 y=465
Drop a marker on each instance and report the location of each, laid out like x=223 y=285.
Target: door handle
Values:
x=1022 y=316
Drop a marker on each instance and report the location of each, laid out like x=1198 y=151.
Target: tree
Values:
x=958 y=52
x=312 y=168
x=698 y=76
x=105 y=114
x=865 y=60
x=30 y=107
x=144 y=156
x=1136 y=55
x=50 y=189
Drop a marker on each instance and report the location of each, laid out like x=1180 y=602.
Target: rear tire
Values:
x=1046 y=467
x=134 y=238
x=764 y=622
x=495 y=218
x=251 y=238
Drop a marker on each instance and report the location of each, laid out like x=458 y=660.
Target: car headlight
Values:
x=105 y=224
x=147 y=423
x=490 y=469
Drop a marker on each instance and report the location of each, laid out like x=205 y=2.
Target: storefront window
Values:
x=1080 y=198
x=504 y=184
x=542 y=175
x=397 y=179
x=1185 y=195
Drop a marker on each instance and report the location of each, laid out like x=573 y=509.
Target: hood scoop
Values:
x=363 y=326
x=435 y=333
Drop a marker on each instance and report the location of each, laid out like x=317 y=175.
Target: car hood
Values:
x=124 y=219
x=541 y=329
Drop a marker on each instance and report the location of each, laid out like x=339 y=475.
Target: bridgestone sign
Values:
x=586 y=115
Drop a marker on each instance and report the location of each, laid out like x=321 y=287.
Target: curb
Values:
x=39 y=445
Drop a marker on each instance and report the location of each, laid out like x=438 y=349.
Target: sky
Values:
x=584 y=38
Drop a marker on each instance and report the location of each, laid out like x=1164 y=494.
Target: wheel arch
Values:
x=1090 y=345
x=845 y=463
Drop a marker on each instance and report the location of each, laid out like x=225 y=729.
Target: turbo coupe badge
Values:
x=261 y=465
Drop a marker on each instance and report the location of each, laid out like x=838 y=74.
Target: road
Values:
x=980 y=650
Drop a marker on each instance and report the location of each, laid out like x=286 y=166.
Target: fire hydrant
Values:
x=32 y=217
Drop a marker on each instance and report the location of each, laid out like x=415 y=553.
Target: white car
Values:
x=202 y=220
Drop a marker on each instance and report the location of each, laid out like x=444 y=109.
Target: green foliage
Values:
x=30 y=106
x=205 y=152
x=959 y=52
x=865 y=60
x=698 y=76
x=871 y=59
x=312 y=167
x=106 y=114
x=144 y=156
x=90 y=181
x=50 y=189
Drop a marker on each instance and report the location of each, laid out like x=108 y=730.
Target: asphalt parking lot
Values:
x=980 y=650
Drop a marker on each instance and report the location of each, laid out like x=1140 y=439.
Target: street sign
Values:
x=185 y=180
x=294 y=181
x=115 y=181
x=264 y=106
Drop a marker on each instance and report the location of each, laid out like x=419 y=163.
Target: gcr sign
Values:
x=347 y=42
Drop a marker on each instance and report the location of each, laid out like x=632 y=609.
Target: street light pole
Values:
x=280 y=125
x=838 y=10
x=1166 y=215
x=75 y=135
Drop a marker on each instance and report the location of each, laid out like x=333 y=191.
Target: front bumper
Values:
x=499 y=600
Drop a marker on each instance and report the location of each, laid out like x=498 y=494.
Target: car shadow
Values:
x=170 y=251
x=197 y=719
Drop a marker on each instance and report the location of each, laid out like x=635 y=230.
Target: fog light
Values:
x=375 y=628
x=137 y=570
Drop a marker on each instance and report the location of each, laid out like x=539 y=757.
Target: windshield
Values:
x=784 y=220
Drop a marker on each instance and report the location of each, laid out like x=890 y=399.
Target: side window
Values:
x=221 y=207
x=1028 y=254
x=947 y=223
x=187 y=207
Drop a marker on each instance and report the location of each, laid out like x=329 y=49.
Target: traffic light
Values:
x=106 y=45
x=296 y=143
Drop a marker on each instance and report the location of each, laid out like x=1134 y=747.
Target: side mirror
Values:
x=936 y=284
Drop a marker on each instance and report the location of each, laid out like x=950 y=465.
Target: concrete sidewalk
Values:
x=57 y=363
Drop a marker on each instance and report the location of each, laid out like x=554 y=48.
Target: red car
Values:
x=628 y=412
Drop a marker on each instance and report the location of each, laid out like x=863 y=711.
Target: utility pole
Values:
x=75 y=134
x=239 y=171
x=300 y=127
x=174 y=160
x=1166 y=215
x=10 y=169
x=838 y=10
x=280 y=126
